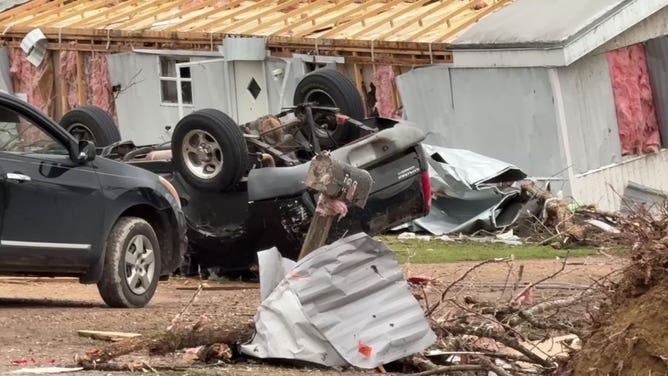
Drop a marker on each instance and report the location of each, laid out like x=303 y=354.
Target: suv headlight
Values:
x=171 y=190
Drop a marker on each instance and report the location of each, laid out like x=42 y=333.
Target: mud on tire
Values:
x=131 y=264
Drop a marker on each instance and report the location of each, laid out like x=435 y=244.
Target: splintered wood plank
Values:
x=439 y=22
x=257 y=17
x=359 y=18
x=417 y=18
x=474 y=19
x=268 y=24
x=325 y=10
x=106 y=336
x=127 y=12
x=81 y=81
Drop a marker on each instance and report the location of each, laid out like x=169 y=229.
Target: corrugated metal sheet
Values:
x=590 y=113
x=354 y=293
x=504 y=113
x=538 y=23
x=604 y=187
x=657 y=63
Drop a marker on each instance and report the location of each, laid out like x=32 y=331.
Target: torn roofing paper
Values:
x=344 y=304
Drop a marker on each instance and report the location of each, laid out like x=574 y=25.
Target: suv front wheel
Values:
x=131 y=265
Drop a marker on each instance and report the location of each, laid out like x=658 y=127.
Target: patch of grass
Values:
x=437 y=251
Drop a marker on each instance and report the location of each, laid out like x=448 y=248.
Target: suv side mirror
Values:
x=87 y=152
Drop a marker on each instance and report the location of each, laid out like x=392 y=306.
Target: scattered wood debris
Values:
x=106 y=336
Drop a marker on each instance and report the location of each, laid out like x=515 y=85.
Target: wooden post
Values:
x=334 y=180
x=81 y=80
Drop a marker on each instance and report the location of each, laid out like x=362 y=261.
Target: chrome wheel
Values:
x=202 y=154
x=81 y=132
x=139 y=264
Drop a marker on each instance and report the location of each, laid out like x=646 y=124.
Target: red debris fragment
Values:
x=419 y=279
x=364 y=349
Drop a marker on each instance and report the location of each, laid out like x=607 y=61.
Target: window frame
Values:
x=31 y=123
x=175 y=60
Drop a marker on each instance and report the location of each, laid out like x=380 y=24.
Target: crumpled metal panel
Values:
x=469 y=198
x=344 y=304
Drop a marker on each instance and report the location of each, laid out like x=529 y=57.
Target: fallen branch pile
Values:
x=507 y=335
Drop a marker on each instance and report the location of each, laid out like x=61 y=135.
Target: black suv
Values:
x=65 y=213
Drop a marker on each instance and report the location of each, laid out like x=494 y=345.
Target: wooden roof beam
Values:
x=359 y=18
x=139 y=18
x=111 y=11
x=390 y=17
x=312 y=17
x=318 y=4
x=439 y=21
x=126 y=12
x=30 y=6
x=49 y=10
x=474 y=19
x=206 y=15
x=185 y=10
x=340 y=16
x=208 y=26
x=258 y=16
x=71 y=11
x=412 y=20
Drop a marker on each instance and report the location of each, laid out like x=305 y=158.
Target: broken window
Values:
x=168 y=82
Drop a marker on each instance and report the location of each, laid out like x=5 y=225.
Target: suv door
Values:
x=53 y=207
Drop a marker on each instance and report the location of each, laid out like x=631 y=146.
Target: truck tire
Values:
x=329 y=87
x=131 y=264
x=91 y=123
x=209 y=150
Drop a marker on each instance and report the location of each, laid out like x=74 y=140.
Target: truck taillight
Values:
x=426 y=190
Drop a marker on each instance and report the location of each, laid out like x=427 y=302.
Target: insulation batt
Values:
x=636 y=115
x=383 y=79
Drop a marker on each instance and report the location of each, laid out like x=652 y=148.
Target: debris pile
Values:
x=507 y=335
x=630 y=335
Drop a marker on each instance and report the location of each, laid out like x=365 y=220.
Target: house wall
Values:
x=590 y=116
x=142 y=117
x=603 y=187
x=503 y=113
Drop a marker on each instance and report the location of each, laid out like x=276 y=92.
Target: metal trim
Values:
x=16 y=243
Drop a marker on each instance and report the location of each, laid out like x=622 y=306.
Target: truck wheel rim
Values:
x=139 y=264
x=81 y=132
x=322 y=98
x=202 y=154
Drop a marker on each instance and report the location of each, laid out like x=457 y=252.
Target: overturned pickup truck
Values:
x=242 y=186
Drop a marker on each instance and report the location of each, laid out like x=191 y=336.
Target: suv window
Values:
x=20 y=136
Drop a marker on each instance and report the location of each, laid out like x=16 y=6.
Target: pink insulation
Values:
x=68 y=74
x=30 y=79
x=100 y=84
x=383 y=80
x=636 y=116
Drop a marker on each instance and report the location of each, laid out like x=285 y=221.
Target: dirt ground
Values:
x=40 y=317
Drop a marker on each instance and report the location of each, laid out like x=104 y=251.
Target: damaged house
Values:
x=573 y=92
x=152 y=62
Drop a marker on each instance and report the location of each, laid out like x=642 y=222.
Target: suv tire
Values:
x=131 y=264
x=91 y=123
x=209 y=150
